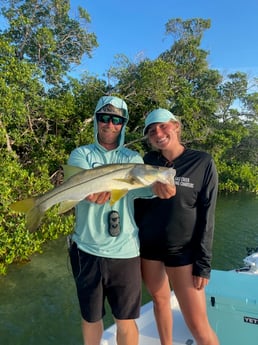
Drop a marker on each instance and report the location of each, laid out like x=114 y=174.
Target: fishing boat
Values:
x=232 y=305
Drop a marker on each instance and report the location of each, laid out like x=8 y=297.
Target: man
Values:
x=105 y=263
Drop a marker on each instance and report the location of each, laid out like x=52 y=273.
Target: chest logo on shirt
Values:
x=183 y=182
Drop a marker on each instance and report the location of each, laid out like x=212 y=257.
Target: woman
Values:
x=176 y=234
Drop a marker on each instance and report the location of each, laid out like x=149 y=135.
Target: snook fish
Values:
x=115 y=178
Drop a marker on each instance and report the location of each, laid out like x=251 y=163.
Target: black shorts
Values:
x=177 y=258
x=98 y=278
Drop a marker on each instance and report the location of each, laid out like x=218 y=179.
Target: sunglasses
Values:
x=116 y=120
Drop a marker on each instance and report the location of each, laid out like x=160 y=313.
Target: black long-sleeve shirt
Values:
x=184 y=223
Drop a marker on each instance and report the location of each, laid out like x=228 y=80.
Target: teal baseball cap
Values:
x=158 y=115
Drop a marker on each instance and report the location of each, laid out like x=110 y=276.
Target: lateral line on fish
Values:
x=56 y=190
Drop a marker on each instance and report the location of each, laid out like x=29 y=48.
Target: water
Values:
x=38 y=303
x=236 y=229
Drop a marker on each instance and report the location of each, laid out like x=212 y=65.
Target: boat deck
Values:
x=232 y=306
x=148 y=330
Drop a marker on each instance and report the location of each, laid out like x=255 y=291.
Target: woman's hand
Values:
x=200 y=282
x=164 y=191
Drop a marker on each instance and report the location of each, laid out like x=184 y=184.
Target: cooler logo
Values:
x=251 y=320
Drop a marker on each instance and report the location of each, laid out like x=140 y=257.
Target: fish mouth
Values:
x=170 y=176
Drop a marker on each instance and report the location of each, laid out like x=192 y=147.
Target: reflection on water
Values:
x=38 y=303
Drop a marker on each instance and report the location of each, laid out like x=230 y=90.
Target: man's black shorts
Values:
x=97 y=278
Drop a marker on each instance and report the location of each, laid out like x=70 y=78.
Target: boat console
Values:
x=232 y=303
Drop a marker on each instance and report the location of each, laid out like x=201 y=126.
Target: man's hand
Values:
x=164 y=191
x=99 y=198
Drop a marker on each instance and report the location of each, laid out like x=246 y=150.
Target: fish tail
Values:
x=23 y=205
x=32 y=211
x=33 y=218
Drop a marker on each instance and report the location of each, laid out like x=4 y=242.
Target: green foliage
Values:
x=43 y=34
x=234 y=177
x=39 y=125
x=149 y=84
x=248 y=177
x=16 y=243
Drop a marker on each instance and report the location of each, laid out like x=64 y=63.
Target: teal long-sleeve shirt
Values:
x=91 y=227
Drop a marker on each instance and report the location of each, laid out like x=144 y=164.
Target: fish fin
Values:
x=117 y=194
x=33 y=212
x=70 y=170
x=67 y=205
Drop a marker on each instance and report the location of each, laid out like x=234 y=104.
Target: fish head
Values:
x=149 y=174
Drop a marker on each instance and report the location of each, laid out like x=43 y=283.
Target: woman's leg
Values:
x=192 y=303
x=156 y=281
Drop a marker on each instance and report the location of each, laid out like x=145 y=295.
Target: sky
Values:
x=136 y=28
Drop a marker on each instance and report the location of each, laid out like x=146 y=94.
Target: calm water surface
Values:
x=38 y=303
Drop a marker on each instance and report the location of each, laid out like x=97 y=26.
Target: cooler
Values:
x=232 y=304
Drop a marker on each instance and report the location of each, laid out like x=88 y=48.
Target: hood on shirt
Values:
x=118 y=103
